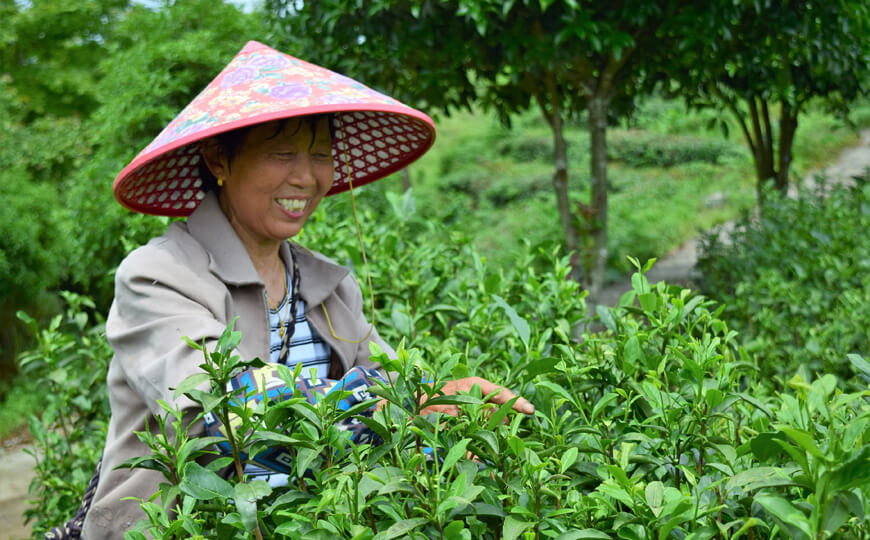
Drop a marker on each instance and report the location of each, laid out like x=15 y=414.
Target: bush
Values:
x=643 y=428
x=70 y=359
x=647 y=426
x=796 y=280
x=644 y=149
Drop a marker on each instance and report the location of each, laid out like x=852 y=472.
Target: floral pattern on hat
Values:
x=257 y=77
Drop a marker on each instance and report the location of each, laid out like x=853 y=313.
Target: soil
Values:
x=16 y=466
x=16 y=472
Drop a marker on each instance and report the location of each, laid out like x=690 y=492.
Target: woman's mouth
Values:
x=293 y=206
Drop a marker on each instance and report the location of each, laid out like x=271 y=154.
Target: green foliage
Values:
x=153 y=65
x=47 y=49
x=795 y=281
x=648 y=149
x=830 y=474
x=644 y=427
x=658 y=423
x=69 y=360
x=31 y=251
x=764 y=62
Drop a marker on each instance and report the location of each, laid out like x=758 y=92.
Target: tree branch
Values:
x=732 y=106
x=612 y=69
x=768 y=130
x=756 y=127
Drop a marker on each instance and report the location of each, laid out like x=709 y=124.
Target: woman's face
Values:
x=277 y=180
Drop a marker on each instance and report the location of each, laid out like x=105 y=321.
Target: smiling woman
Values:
x=271 y=186
x=247 y=162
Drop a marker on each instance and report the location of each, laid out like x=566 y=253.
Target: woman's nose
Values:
x=302 y=172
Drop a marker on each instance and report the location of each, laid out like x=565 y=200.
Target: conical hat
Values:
x=375 y=135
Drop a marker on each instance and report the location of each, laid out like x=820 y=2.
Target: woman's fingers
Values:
x=504 y=395
x=500 y=395
x=452 y=410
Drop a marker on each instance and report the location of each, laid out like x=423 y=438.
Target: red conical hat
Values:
x=375 y=135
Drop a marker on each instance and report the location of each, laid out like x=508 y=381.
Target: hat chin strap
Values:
x=361 y=247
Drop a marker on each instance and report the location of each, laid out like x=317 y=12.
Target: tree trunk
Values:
x=788 y=123
x=598 y=194
x=406 y=179
x=762 y=144
x=560 y=176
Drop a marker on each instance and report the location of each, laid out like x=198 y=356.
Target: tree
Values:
x=49 y=49
x=767 y=60
x=562 y=56
x=156 y=62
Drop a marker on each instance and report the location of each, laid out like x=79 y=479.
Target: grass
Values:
x=673 y=173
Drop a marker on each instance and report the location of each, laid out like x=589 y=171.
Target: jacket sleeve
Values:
x=158 y=300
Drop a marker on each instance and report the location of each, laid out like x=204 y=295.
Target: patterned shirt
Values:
x=306 y=347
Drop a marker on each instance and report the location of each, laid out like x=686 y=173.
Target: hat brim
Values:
x=375 y=135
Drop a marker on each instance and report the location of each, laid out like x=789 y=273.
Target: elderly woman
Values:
x=248 y=161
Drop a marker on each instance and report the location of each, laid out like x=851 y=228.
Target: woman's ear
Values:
x=214 y=158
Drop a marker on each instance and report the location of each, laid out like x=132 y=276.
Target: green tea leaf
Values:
x=655 y=497
x=584 y=534
x=190 y=383
x=519 y=324
x=514 y=527
x=304 y=457
x=246 y=497
x=606 y=317
x=568 y=459
x=456 y=452
x=788 y=516
x=500 y=413
x=803 y=439
x=648 y=302
x=404 y=527
x=203 y=484
x=632 y=355
x=860 y=364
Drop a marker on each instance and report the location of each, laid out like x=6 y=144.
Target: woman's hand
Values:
x=486 y=387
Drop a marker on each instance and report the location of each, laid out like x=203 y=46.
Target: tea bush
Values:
x=643 y=431
x=796 y=280
x=70 y=361
x=644 y=149
x=659 y=426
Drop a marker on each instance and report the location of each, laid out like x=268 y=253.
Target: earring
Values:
x=220 y=181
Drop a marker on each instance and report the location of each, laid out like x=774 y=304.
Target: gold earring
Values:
x=220 y=181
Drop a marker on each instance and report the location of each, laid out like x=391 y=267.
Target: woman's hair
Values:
x=231 y=142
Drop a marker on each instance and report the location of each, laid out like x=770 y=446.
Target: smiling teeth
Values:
x=293 y=205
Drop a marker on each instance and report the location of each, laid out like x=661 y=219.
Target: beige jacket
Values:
x=192 y=281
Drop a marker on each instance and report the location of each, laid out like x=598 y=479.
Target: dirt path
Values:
x=16 y=471
x=678 y=265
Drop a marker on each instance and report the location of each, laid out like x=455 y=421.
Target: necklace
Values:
x=282 y=321
x=293 y=301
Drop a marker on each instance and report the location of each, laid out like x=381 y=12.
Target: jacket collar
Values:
x=229 y=260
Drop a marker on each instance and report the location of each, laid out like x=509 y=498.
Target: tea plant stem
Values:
x=63 y=429
x=237 y=462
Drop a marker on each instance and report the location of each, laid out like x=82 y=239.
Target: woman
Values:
x=248 y=161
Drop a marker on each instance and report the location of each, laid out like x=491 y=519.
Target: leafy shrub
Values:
x=631 y=433
x=648 y=426
x=70 y=360
x=813 y=449
x=796 y=280
x=644 y=149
